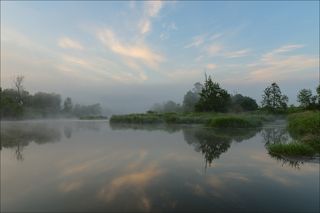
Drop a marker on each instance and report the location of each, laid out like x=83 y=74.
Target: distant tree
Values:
x=87 y=110
x=10 y=107
x=19 y=86
x=212 y=97
x=318 y=92
x=192 y=97
x=169 y=106
x=273 y=100
x=46 y=103
x=305 y=98
x=67 y=105
x=243 y=103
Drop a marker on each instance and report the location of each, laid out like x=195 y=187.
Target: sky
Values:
x=129 y=55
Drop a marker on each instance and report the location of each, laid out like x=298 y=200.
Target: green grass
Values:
x=211 y=119
x=292 y=149
x=301 y=124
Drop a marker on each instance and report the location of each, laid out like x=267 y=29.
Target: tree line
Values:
x=210 y=97
x=17 y=103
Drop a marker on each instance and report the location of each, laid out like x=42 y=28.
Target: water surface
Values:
x=91 y=166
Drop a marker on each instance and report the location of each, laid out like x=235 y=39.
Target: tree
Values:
x=192 y=97
x=67 y=105
x=169 y=106
x=273 y=100
x=212 y=97
x=305 y=98
x=243 y=103
x=18 y=85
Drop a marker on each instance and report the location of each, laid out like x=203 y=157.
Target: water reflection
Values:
x=136 y=168
x=170 y=128
x=275 y=135
x=210 y=142
x=213 y=142
x=18 y=135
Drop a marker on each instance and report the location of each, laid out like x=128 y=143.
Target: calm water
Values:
x=92 y=166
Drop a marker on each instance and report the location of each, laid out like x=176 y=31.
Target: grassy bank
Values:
x=218 y=120
x=305 y=129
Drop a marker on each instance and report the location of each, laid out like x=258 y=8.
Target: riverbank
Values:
x=209 y=119
x=304 y=127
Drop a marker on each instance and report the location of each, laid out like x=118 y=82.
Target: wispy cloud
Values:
x=196 y=41
x=151 y=10
x=237 y=54
x=211 y=66
x=138 y=51
x=278 y=64
x=68 y=43
x=214 y=49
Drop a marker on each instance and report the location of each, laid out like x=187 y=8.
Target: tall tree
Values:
x=212 y=97
x=19 y=86
x=67 y=105
x=273 y=100
x=305 y=98
x=192 y=97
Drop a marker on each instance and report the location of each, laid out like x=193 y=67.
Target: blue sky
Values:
x=128 y=55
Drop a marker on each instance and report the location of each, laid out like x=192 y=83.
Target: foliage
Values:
x=192 y=97
x=87 y=110
x=169 y=106
x=273 y=100
x=213 y=98
x=306 y=99
x=18 y=103
x=300 y=124
x=67 y=105
x=243 y=103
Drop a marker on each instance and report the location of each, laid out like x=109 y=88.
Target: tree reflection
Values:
x=213 y=142
x=170 y=128
x=18 y=136
x=275 y=135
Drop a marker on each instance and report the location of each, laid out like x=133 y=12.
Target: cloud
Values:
x=214 y=49
x=196 y=41
x=138 y=51
x=211 y=66
x=151 y=10
x=237 y=54
x=68 y=43
x=277 y=64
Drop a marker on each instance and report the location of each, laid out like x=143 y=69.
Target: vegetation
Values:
x=273 y=100
x=305 y=129
x=306 y=99
x=18 y=103
x=240 y=103
x=305 y=123
x=218 y=120
x=213 y=98
x=192 y=97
